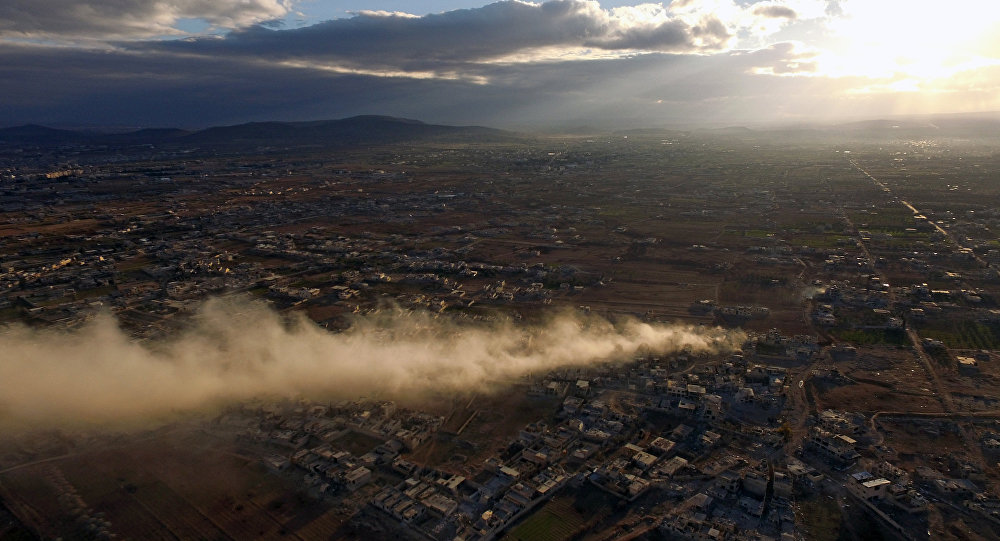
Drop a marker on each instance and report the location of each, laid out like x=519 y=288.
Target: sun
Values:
x=920 y=41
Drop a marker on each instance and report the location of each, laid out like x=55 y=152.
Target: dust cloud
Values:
x=234 y=350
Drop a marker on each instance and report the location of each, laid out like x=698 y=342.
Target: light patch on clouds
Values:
x=556 y=53
x=383 y=13
x=753 y=24
x=894 y=87
x=974 y=76
x=345 y=70
x=785 y=59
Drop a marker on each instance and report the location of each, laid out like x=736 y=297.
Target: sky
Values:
x=509 y=64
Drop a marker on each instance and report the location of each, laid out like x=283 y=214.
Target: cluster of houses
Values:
x=133 y=269
x=600 y=441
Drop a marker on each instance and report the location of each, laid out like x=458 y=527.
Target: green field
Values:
x=871 y=337
x=819 y=518
x=964 y=334
x=545 y=525
x=566 y=515
x=820 y=240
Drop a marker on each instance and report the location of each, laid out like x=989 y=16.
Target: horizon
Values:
x=761 y=126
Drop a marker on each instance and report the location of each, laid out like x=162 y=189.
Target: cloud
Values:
x=146 y=88
x=97 y=374
x=452 y=40
x=127 y=19
x=128 y=87
x=508 y=64
x=786 y=58
x=774 y=11
x=139 y=88
x=672 y=35
x=384 y=13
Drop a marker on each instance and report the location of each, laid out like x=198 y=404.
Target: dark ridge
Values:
x=354 y=131
x=163 y=133
x=33 y=134
x=146 y=136
x=652 y=132
x=729 y=130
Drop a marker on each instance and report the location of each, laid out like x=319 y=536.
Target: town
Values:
x=859 y=270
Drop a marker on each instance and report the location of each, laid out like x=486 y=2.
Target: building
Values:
x=357 y=478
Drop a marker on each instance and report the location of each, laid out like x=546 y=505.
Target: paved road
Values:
x=942 y=392
x=951 y=238
x=947 y=402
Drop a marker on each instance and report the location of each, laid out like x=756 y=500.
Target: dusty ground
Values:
x=184 y=485
x=883 y=379
x=498 y=418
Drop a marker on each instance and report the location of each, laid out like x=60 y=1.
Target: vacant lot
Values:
x=880 y=379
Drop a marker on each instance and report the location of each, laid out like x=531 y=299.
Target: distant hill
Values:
x=33 y=134
x=358 y=130
x=729 y=130
x=354 y=131
x=149 y=136
x=373 y=130
x=931 y=125
x=964 y=126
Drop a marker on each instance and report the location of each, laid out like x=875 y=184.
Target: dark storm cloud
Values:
x=55 y=85
x=499 y=65
x=103 y=19
x=395 y=41
x=60 y=85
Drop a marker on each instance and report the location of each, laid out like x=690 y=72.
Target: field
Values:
x=547 y=525
x=879 y=379
x=499 y=417
x=871 y=337
x=820 y=518
x=963 y=333
x=922 y=442
x=170 y=487
x=564 y=517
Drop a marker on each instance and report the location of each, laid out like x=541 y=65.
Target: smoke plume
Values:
x=235 y=350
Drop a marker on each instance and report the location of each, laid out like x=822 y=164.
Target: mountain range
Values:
x=354 y=131
x=373 y=130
